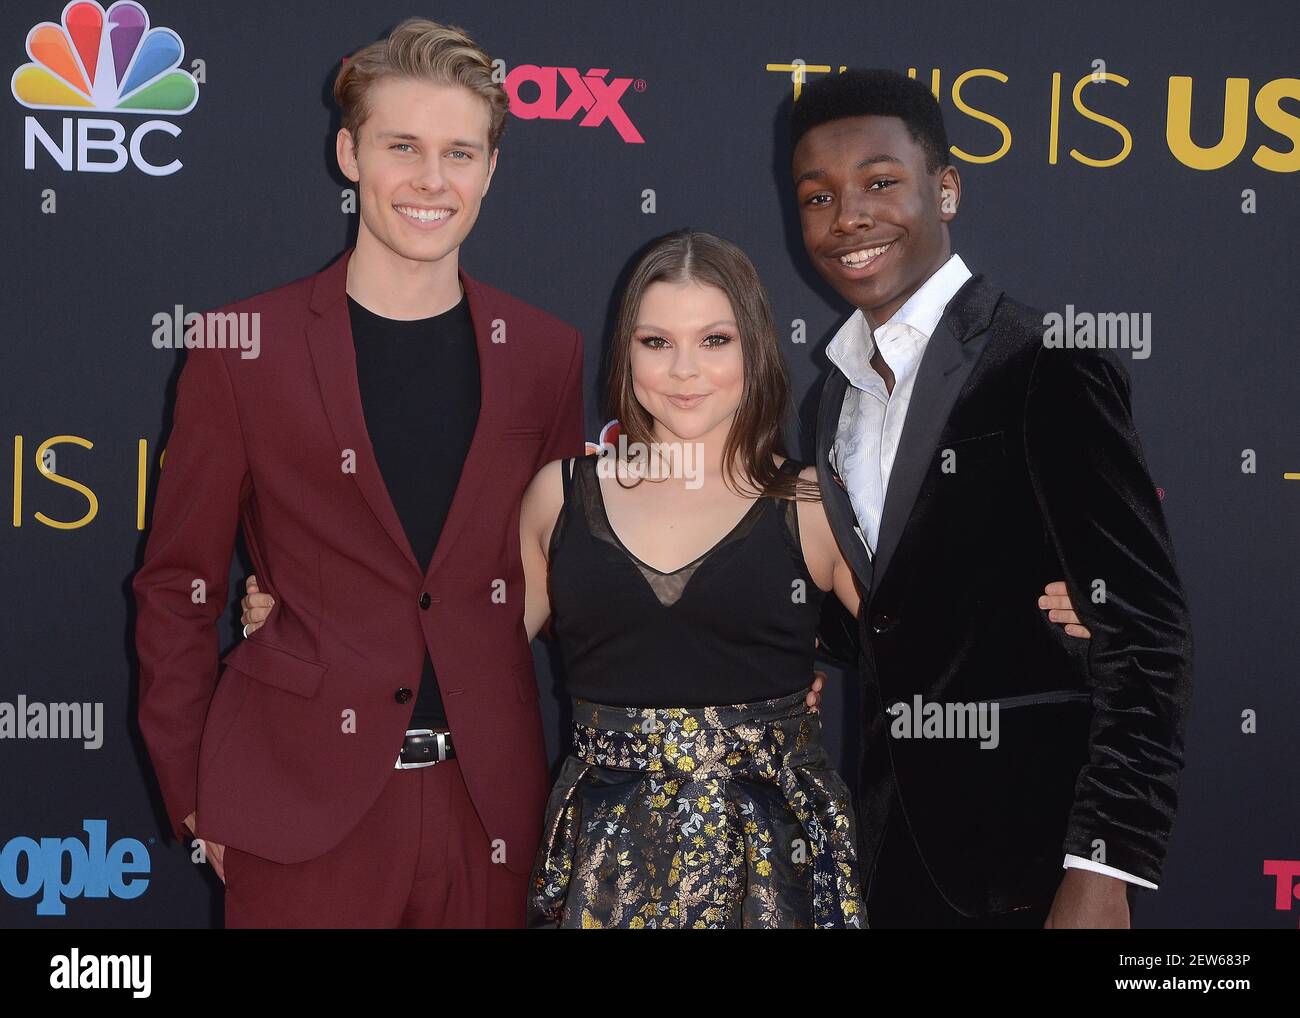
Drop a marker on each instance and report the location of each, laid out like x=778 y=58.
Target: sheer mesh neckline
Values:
x=604 y=519
x=667 y=587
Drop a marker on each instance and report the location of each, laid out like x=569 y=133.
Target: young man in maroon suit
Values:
x=374 y=454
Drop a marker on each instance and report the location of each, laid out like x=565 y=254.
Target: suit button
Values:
x=402 y=695
x=425 y=600
x=883 y=623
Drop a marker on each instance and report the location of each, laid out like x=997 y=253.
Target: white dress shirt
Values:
x=871 y=418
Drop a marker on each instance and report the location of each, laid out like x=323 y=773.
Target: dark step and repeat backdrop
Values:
x=1117 y=158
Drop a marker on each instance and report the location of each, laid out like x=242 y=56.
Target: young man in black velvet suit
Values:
x=963 y=461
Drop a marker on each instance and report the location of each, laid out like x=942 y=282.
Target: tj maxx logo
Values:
x=1286 y=876
x=588 y=94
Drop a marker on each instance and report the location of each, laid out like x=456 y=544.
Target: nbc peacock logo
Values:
x=106 y=62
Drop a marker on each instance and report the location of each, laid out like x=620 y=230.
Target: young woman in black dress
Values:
x=685 y=606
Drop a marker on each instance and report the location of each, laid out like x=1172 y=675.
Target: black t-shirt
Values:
x=419 y=383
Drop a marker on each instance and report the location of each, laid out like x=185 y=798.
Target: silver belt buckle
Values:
x=441 y=738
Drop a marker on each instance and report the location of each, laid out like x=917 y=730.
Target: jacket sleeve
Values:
x=1104 y=518
x=180 y=588
x=565 y=435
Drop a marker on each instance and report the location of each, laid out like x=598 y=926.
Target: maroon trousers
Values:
x=419 y=858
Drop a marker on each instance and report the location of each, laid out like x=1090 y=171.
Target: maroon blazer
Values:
x=284 y=749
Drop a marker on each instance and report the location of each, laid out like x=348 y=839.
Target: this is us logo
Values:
x=106 y=62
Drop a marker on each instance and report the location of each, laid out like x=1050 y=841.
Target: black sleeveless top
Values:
x=737 y=624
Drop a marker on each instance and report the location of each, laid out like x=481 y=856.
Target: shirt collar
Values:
x=925 y=307
x=851 y=347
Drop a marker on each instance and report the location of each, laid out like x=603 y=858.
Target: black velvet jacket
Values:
x=1045 y=480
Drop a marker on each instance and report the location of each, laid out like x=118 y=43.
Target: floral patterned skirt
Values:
x=704 y=817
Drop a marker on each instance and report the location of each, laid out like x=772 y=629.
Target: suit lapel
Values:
x=330 y=341
x=494 y=402
x=835 y=499
x=334 y=357
x=949 y=356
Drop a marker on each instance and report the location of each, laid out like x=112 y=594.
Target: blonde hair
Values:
x=422 y=50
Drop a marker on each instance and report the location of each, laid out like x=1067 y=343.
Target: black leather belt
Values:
x=423 y=747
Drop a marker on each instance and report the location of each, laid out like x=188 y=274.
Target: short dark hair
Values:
x=874 y=92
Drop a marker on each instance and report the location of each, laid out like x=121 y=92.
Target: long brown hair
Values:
x=693 y=256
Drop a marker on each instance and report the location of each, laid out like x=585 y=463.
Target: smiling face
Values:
x=688 y=370
x=874 y=219
x=421 y=165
